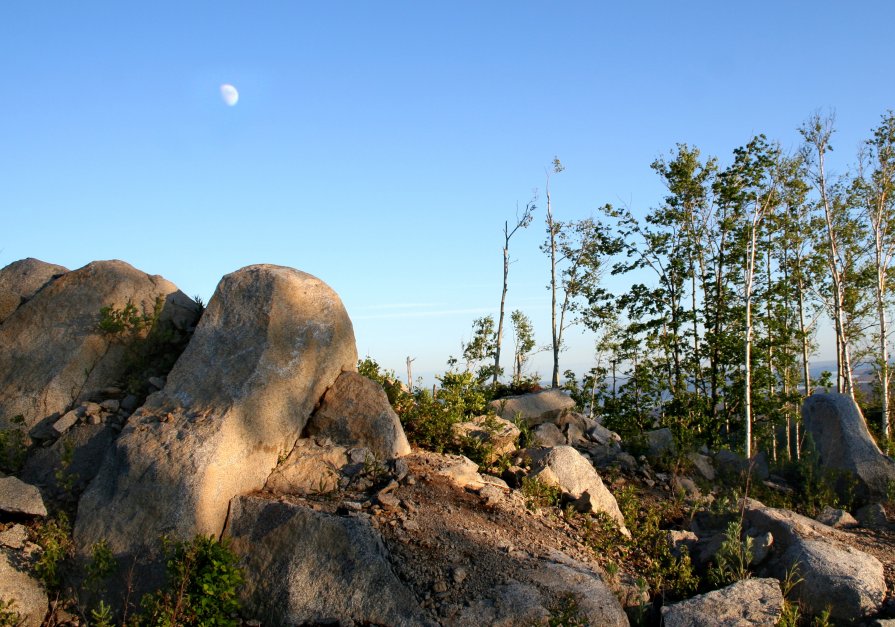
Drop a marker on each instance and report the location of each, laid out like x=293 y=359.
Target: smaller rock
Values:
x=836 y=518
x=678 y=540
x=703 y=463
x=18 y=497
x=388 y=501
x=91 y=408
x=685 y=485
x=491 y=494
x=459 y=574
x=574 y=434
x=601 y=435
x=94 y=419
x=14 y=537
x=547 y=435
x=462 y=472
x=660 y=443
x=130 y=403
x=110 y=405
x=761 y=546
x=746 y=602
x=68 y=420
x=872 y=516
x=157 y=382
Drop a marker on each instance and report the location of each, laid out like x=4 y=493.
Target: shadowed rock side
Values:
x=840 y=435
x=51 y=351
x=271 y=342
x=21 y=280
x=307 y=567
x=355 y=412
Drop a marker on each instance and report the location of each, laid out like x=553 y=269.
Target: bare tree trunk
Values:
x=503 y=300
x=410 y=373
x=554 y=381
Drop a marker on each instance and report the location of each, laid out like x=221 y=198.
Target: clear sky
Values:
x=381 y=145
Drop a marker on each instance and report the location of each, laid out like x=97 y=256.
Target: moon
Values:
x=229 y=94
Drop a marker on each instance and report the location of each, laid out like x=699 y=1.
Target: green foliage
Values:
x=731 y=562
x=203 y=581
x=54 y=538
x=539 y=494
x=8 y=615
x=65 y=478
x=152 y=345
x=566 y=613
x=13 y=446
x=101 y=565
x=791 y=611
x=647 y=550
x=101 y=616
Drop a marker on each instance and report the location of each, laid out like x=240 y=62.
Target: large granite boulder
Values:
x=534 y=408
x=757 y=602
x=835 y=575
x=305 y=567
x=356 y=412
x=567 y=469
x=21 y=280
x=842 y=442
x=847 y=581
x=269 y=345
x=51 y=348
x=534 y=598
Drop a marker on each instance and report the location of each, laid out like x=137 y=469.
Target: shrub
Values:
x=54 y=537
x=731 y=563
x=203 y=581
x=13 y=446
x=539 y=494
x=8 y=616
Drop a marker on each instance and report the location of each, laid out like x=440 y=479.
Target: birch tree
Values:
x=522 y=221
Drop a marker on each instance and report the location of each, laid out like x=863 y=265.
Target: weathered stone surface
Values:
x=356 y=412
x=14 y=537
x=601 y=435
x=17 y=585
x=849 y=582
x=836 y=518
x=311 y=468
x=507 y=606
x=18 y=497
x=660 y=443
x=547 y=435
x=20 y=280
x=595 y=602
x=462 y=472
x=307 y=567
x=68 y=420
x=51 y=349
x=840 y=436
x=834 y=573
x=535 y=408
x=270 y=343
x=872 y=515
x=564 y=467
x=703 y=463
x=76 y=457
x=742 y=604
x=500 y=434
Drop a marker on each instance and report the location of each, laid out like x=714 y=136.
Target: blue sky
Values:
x=380 y=146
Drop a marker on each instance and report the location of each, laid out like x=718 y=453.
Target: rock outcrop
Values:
x=836 y=575
x=842 y=441
x=564 y=467
x=17 y=585
x=356 y=412
x=270 y=343
x=21 y=280
x=51 y=349
x=307 y=567
x=534 y=408
x=18 y=497
x=748 y=602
